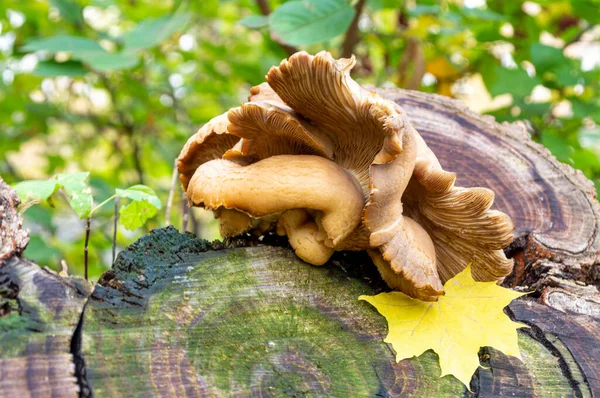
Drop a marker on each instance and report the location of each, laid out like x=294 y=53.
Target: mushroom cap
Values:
x=459 y=220
x=210 y=142
x=362 y=127
x=269 y=130
x=341 y=168
x=281 y=183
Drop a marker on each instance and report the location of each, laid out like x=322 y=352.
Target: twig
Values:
x=413 y=53
x=265 y=10
x=127 y=126
x=195 y=224
x=352 y=35
x=137 y=158
x=85 y=247
x=171 y=194
x=64 y=272
x=579 y=35
x=116 y=217
x=185 y=214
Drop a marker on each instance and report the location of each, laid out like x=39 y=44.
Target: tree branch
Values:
x=265 y=10
x=127 y=126
x=264 y=6
x=352 y=34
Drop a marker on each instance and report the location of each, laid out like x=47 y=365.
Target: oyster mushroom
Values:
x=340 y=168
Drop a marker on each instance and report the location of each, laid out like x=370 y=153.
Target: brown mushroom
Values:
x=340 y=168
x=279 y=183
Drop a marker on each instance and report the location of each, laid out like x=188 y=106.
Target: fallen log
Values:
x=178 y=316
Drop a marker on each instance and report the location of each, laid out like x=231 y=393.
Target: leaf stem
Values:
x=265 y=10
x=185 y=214
x=116 y=222
x=85 y=247
x=352 y=34
x=171 y=194
x=102 y=204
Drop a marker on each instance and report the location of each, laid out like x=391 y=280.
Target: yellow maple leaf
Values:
x=469 y=316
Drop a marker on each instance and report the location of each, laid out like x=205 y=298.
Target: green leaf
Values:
x=138 y=193
x=557 y=144
x=73 y=44
x=500 y=80
x=383 y=4
x=546 y=58
x=38 y=190
x=311 y=21
x=254 y=21
x=582 y=109
x=150 y=32
x=567 y=74
x=108 y=62
x=79 y=193
x=422 y=9
x=39 y=251
x=482 y=15
x=69 y=10
x=53 y=68
x=136 y=213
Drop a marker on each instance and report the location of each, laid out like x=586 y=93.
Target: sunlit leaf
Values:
x=254 y=21
x=311 y=21
x=69 y=10
x=79 y=193
x=151 y=32
x=111 y=61
x=469 y=316
x=140 y=192
x=53 y=69
x=38 y=190
x=74 y=44
x=136 y=213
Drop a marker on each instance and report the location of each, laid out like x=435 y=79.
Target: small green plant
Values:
x=143 y=202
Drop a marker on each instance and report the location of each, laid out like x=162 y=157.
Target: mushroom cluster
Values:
x=314 y=156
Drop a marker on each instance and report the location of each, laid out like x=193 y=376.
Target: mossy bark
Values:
x=170 y=320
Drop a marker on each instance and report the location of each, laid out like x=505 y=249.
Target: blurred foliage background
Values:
x=115 y=87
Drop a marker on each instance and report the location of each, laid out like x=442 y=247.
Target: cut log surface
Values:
x=171 y=321
x=177 y=316
x=553 y=207
x=39 y=314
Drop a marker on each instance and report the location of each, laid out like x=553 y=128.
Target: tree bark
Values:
x=177 y=316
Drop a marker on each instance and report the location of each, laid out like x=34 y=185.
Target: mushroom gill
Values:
x=340 y=168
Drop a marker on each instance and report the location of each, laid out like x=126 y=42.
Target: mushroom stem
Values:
x=232 y=222
x=282 y=183
x=304 y=236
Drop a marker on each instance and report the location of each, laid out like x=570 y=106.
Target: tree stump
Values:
x=177 y=316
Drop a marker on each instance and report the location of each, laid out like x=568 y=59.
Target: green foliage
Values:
x=53 y=69
x=77 y=192
x=150 y=32
x=117 y=86
x=311 y=21
x=254 y=21
x=143 y=206
x=77 y=46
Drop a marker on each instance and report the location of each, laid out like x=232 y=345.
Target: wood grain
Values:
x=258 y=321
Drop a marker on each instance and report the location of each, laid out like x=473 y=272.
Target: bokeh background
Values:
x=115 y=87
